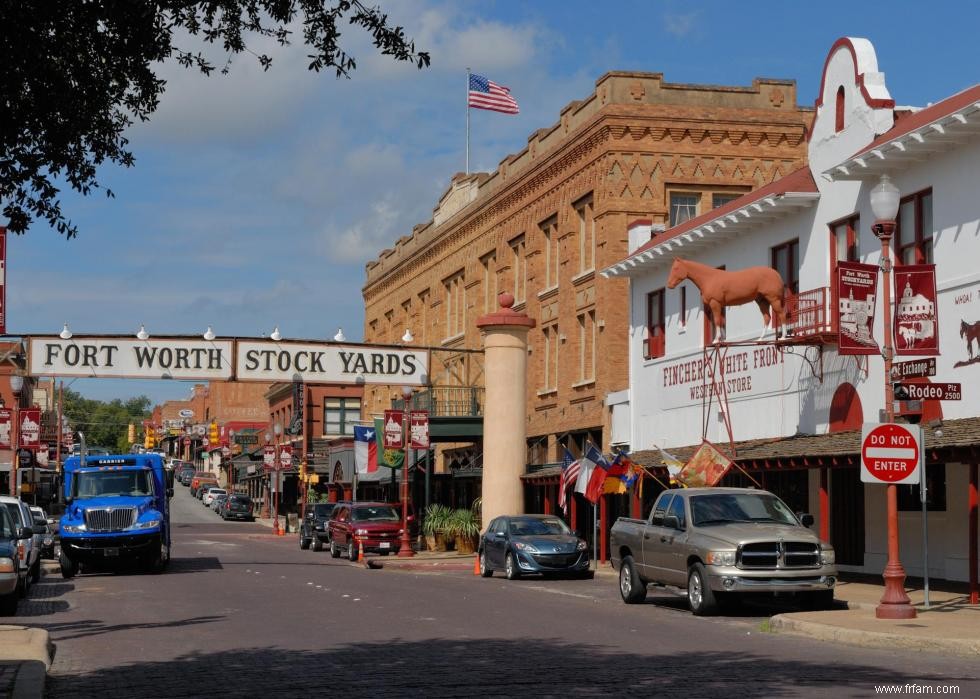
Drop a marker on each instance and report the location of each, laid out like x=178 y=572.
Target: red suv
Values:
x=374 y=526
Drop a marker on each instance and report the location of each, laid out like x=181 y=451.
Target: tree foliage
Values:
x=105 y=424
x=76 y=75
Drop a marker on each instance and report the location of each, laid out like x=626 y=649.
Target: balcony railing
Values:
x=447 y=401
x=809 y=312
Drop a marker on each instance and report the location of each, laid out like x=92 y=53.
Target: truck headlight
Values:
x=361 y=532
x=720 y=558
x=75 y=528
x=827 y=557
x=148 y=524
x=6 y=565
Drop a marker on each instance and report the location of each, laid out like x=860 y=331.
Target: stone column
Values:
x=505 y=409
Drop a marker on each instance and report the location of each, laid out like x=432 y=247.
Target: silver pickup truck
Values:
x=722 y=543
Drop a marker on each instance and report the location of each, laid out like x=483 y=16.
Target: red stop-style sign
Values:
x=891 y=453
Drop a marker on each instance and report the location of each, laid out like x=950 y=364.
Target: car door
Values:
x=497 y=541
x=652 y=559
x=672 y=555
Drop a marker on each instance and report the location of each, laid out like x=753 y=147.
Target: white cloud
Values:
x=680 y=25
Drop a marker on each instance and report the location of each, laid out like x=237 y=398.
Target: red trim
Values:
x=639 y=222
x=972 y=537
x=858 y=78
x=824 y=505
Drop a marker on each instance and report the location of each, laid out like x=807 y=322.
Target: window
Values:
x=455 y=305
x=722 y=199
x=677 y=509
x=340 y=415
x=683 y=314
x=586 y=233
x=910 y=500
x=844 y=241
x=683 y=207
x=489 y=263
x=549 y=358
x=550 y=230
x=423 y=333
x=786 y=261
x=586 y=346
x=839 y=113
x=660 y=509
x=913 y=235
x=518 y=253
x=407 y=314
x=655 y=345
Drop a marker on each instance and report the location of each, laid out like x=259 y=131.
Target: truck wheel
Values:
x=631 y=587
x=699 y=596
x=8 y=604
x=334 y=549
x=510 y=567
x=304 y=543
x=317 y=544
x=485 y=570
x=351 y=551
x=69 y=568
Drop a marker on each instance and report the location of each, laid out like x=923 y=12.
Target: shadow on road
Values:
x=497 y=667
x=92 y=627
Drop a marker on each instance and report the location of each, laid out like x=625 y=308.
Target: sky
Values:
x=257 y=197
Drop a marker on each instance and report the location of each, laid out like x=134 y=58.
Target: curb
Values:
x=25 y=643
x=784 y=623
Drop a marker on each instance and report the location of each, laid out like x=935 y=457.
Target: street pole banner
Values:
x=6 y=420
x=419 y=425
x=30 y=428
x=269 y=457
x=916 y=320
x=394 y=432
x=3 y=280
x=857 y=292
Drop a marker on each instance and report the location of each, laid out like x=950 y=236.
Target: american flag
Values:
x=569 y=473
x=486 y=94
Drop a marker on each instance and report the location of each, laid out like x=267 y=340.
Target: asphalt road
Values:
x=243 y=613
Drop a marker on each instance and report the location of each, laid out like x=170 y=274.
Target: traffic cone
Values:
x=360 y=552
x=476 y=565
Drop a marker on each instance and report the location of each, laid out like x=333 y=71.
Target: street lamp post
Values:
x=405 y=546
x=16 y=386
x=885 y=200
x=276 y=472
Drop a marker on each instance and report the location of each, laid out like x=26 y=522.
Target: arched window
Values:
x=839 y=117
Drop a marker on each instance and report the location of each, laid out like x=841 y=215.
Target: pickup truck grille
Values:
x=110 y=519
x=778 y=554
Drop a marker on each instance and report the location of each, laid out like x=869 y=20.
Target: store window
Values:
x=655 y=344
x=340 y=415
x=913 y=234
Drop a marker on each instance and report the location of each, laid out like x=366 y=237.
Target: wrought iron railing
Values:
x=447 y=401
x=534 y=468
x=808 y=312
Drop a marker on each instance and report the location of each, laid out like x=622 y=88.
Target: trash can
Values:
x=292 y=522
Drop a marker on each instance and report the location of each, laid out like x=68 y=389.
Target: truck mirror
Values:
x=25 y=533
x=671 y=522
x=806 y=519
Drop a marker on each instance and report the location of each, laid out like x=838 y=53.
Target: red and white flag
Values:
x=365 y=449
x=486 y=94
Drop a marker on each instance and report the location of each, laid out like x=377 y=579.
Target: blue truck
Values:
x=117 y=510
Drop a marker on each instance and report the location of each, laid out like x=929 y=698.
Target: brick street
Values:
x=243 y=613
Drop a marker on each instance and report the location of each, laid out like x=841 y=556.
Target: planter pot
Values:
x=438 y=542
x=465 y=544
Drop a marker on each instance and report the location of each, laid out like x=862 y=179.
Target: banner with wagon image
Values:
x=916 y=319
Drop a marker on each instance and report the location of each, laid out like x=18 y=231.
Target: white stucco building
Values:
x=795 y=408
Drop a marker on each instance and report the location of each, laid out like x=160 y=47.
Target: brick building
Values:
x=548 y=217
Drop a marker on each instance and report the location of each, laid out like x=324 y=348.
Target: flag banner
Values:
x=569 y=474
x=706 y=468
x=394 y=429
x=30 y=428
x=6 y=421
x=486 y=94
x=598 y=475
x=857 y=292
x=615 y=483
x=389 y=458
x=365 y=449
x=419 y=429
x=916 y=321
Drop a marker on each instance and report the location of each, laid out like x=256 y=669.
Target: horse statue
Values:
x=720 y=289
x=971 y=332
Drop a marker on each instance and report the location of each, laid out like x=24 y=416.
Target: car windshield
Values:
x=323 y=510
x=379 y=513
x=532 y=526
x=90 y=484
x=739 y=507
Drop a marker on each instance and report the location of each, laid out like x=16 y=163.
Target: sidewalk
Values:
x=25 y=656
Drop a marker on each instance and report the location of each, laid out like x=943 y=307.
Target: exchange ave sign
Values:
x=891 y=453
x=242 y=360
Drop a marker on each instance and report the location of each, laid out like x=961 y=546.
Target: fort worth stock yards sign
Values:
x=241 y=360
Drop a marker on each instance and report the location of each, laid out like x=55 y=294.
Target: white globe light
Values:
x=885 y=199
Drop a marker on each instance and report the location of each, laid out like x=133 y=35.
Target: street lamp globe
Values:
x=277 y=428
x=16 y=383
x=406 y=392
x=885 y=199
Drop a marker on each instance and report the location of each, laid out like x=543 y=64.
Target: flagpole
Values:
x=467 y=121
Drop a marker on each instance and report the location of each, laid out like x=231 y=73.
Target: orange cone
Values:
x=360 y=552
x=476 y=565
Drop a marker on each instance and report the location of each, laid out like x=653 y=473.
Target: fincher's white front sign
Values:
x=131 y=359
x=326 y=363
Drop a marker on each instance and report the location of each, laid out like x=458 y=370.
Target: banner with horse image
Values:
x=857 y=292
x=916 y=320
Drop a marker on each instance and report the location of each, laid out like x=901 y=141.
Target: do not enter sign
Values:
x=891 y=453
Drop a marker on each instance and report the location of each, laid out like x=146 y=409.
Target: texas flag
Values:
x=365 y=449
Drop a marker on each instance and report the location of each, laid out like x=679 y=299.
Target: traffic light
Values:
x=131 y=435
x=213 y=436
x=148 y=441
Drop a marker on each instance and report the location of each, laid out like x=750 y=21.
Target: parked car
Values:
x=237 y=507
x=522 y=544
x=202 y=478
x=10 y=578
x=210 y=494
x=184 y=472
x=314 y=530
x=372 y=526
x=28 y=543
x=217 y=501
x=48 y=529
x=722 y=543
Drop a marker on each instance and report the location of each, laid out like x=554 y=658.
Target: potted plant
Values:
x=434 y=526
x=464 y=524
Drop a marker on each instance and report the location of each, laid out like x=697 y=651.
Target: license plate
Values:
x=110 y=552
x=385 y=545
